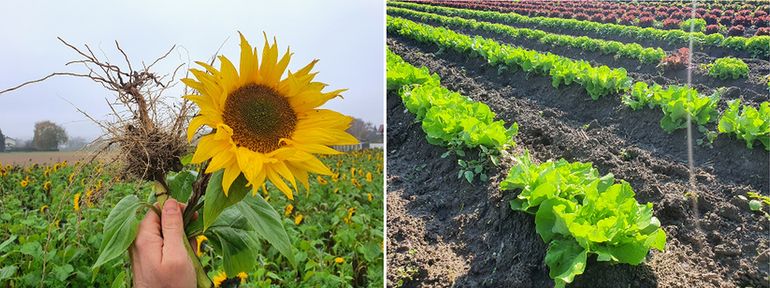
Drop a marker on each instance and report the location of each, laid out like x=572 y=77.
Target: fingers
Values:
x=148 y=239
x=173 y=232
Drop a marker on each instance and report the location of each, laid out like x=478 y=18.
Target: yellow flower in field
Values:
x=288 y=209
x=219 y=278
x=321 y=180
x=76 y=202
x=47 y=186
x=266 y=127
x=355 y=183
x=298 y=219
x=198 y=242
x=243 y=277
x=335 y=177
x=369 y=196
x=44 y=209
x=24 y=183
x=71 y=178
x=89 y=193
x=339 y=260
x=46 y=172
x=347 y=219
x=369 y=177
x=352 y=172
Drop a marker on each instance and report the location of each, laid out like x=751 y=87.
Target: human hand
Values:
x=158 y=255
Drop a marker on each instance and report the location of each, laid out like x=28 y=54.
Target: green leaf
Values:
x=238 y=244
x=565 y=260
x=755 y=205
x=180 y=184
x=120 y=280
x=6 y=243
x=215 y=199
x=63 y=272
x=267 y=223
x=186 y=159
x=469 y=176
x=32 y=249
x=7 y=272
x=120 y=230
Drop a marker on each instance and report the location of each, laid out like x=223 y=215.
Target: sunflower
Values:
x=219 y=278
x=265 y=126
x=288 y=209
x=243 y=276
x=24 y=183
x=76 y=202
x=199 y=244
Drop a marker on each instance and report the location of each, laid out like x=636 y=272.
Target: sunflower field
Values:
x=52 y=218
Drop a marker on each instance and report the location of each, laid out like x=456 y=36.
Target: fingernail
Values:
x=171 y=206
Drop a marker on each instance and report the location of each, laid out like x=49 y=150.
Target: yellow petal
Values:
x=276 y=180
x=231 y=173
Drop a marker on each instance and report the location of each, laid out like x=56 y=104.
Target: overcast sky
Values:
x=346 y=35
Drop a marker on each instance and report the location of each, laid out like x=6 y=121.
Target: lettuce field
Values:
x=578 y=144
x=52 y=215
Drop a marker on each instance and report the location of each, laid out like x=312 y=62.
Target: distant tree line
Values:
x=366 y=131
x=47 y=137
x=2 y=141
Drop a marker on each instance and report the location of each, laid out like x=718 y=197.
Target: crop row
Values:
x=758 y=46
x=676 y=102
x=658 y=16
x=448 y=118
x=633 y=51
x=597 y=82
x=576 y=211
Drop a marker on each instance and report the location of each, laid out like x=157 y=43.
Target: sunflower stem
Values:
x=200 y=275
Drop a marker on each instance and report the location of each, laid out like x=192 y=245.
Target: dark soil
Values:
x=752 y=90
x=445 y=232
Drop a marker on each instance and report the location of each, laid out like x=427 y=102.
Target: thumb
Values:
x=173 y=230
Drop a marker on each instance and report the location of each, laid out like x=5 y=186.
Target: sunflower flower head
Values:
x=219 y=278
x=349 y=216
x=199 y=243
x=339 y=260
x=266 y=122
x=298 y=219
x=288 y=209
x=24 y=183
x=47 y=186
x=321 y=180
x=76 y=202
x=369 y=177
x=243 y=277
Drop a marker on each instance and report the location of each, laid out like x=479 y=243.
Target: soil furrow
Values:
x=720 y=243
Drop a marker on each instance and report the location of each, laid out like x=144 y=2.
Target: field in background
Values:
x=25 y=158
